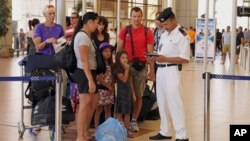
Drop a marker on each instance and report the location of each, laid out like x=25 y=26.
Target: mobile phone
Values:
x=152 y=54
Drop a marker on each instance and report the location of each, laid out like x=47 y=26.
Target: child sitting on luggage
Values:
x=105 y=84
x=125 y=91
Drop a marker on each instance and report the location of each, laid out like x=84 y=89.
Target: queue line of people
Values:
x=132 y=45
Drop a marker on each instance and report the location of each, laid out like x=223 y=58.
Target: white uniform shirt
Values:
x=174 y=44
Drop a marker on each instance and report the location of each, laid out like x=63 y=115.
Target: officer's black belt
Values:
x=165 y=65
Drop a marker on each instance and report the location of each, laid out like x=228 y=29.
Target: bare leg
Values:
x=126 y=121
x=97 y=115
x=127 y=125
x=90 y=113
x=223 y=58
x=137 y=107
x=107 y=110
x=118 y=116
x=236 y=59
x=88 y=104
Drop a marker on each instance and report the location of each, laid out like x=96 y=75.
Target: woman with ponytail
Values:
x=85 y=74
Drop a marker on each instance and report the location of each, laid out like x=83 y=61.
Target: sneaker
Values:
x=134 y=126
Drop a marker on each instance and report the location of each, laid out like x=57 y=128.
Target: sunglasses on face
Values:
x=73 y=17
x=53 y=13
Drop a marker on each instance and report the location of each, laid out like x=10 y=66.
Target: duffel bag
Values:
x=43 y=113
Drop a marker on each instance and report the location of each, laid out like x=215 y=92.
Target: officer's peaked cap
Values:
x=165 y=14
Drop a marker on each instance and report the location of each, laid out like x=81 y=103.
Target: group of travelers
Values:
x=139 y=53
x=223 y=42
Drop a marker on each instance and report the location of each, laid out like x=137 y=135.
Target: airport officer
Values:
x=173 y=51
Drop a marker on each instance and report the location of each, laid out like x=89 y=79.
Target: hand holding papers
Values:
x=61 y=42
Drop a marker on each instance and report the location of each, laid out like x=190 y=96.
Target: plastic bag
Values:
x=111 y=130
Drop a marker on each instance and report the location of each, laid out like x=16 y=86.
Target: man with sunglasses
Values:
x=70 y=29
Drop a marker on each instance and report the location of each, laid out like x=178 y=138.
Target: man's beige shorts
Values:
x=139 y=80
x=226 y=48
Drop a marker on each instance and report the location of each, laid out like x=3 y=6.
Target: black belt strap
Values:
x=165 y=65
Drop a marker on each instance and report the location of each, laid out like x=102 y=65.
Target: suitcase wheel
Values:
x=21 y=129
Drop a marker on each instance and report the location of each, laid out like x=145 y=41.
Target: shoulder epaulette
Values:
x=183 y=32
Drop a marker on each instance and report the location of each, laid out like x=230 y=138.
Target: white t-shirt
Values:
x=82 y=39
x=227 y=38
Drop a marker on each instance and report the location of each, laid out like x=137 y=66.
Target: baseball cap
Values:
x=105 y=45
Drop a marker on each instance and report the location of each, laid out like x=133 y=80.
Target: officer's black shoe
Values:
x=159 y=137
x=181 y=140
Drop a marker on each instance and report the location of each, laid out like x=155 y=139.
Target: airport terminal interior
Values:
x=229 y=104
x=229 y=99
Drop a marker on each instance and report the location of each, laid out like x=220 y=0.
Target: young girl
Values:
x=105 y=84
x=125 y=90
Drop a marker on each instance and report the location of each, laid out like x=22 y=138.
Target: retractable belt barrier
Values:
x=207 y=76
x=58 y=123
x=27 y=78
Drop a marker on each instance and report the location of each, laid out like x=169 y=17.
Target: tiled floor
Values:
x=229 y=104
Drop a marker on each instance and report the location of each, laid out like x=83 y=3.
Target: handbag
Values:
x=138 y=65
x=101 y=66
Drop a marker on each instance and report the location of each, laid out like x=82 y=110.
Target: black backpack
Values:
x=66 y=59
x=37 y=90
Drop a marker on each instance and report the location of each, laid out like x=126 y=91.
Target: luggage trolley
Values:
x=27 y=65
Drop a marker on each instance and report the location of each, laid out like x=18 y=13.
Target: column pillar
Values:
x=84 y=9
x=60 y=12
x=96 y=6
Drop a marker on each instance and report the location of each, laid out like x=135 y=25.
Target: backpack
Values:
x=66 y=59
x=37 y=90
x=43 y=113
